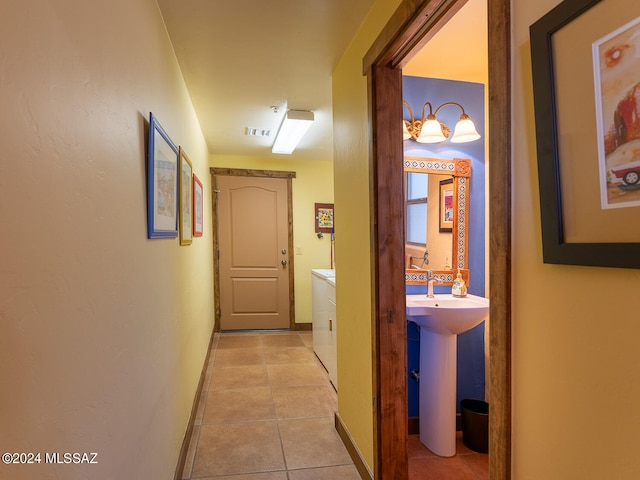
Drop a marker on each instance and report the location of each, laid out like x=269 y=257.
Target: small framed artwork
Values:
x=446 y=206
x=585 y=61
x=162 y=183
x=324 y=217
x=197 y=206
x=186 y=199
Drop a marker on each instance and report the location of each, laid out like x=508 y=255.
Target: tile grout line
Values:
x=275 y=412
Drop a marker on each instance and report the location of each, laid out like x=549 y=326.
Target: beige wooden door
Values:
x=253 y=228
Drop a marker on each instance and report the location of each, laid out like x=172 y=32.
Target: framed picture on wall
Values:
x=616 y=68
x=186 y=199
x=197 y=206
x=586 y=84
x=162 y=183
x=324 y=217
x=446 y=206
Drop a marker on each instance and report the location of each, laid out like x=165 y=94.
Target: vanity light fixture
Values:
x=294 y=125
x=430 y=130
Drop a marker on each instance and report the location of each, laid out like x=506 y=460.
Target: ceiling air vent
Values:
x=258 y=132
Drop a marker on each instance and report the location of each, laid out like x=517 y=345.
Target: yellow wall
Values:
x=575 y=329
x=103 y=332
x=353 y=274
x=313 y=184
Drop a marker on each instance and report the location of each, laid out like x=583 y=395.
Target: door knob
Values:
x=283 y=263
x=284 y=252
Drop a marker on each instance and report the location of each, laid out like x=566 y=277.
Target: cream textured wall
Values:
x=313 y=184
x=353 y=272
x=103 y=332
x=575 y=329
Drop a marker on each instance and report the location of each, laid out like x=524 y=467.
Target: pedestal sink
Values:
x=441 y=318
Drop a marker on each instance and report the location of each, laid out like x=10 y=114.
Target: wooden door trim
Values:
x=242 y=172
x=408 y=30
x=412 y=25
x=499 y=14
x=388 y=280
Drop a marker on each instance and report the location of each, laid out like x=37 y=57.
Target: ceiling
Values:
x=242 y=59
x=459 y=51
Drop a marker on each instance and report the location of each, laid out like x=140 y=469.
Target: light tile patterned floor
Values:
x=267 y=413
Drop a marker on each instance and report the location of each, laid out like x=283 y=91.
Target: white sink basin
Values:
x=446 y=314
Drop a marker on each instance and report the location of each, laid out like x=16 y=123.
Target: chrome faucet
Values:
x=430 y=279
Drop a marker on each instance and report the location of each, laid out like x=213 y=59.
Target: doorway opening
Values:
x=411 y=27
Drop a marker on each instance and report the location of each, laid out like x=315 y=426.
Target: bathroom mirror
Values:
x=459 y=170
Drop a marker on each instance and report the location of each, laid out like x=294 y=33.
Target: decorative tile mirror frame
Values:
x=460 y=169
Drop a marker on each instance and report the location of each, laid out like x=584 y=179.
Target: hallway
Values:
x=267 y=413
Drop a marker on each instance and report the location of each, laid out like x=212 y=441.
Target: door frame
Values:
x=240 y=172
x=413 y=24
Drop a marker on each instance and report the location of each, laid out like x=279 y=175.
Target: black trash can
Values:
x=475 y=424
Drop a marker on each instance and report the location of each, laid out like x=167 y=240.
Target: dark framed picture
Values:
x=586 y=81
x=324 y=217
x=186 y=199
x=446 y=206
x=162 y=183
x=198 y=199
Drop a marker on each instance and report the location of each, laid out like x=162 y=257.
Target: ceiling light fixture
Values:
x=430 y=130
x=294 y=125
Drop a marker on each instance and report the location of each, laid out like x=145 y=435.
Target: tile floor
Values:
x=465 y=465
x=267 y=413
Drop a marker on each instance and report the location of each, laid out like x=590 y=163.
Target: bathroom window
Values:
x=416 y=188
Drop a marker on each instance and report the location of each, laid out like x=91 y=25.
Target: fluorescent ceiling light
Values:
x=294 y=126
